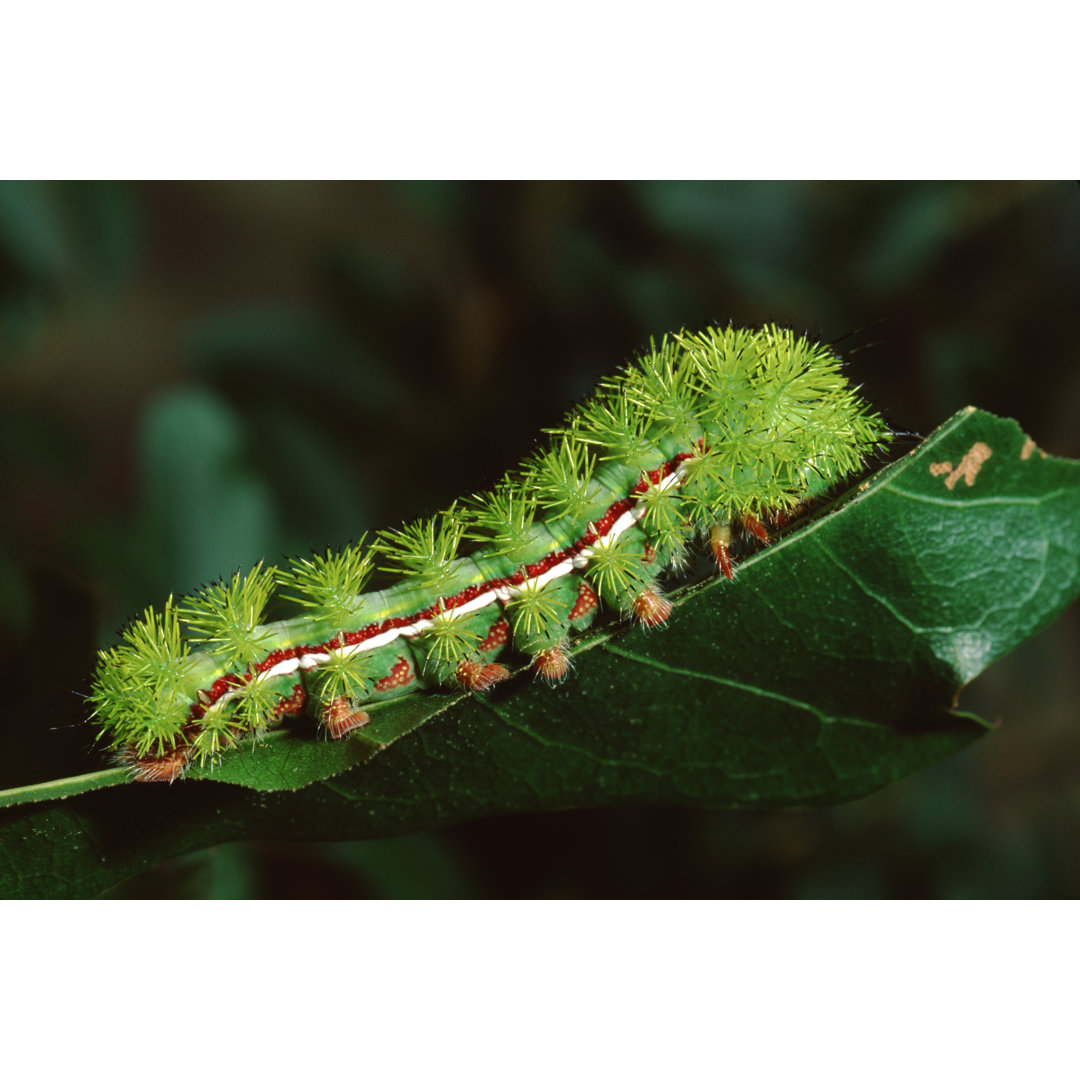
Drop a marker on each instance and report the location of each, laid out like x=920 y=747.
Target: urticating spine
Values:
x=705 y=433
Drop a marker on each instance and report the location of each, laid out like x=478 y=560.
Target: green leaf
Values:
x=828 y=669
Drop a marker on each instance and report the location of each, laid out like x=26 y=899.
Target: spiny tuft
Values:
x=452 y=638
x=610 y=421
x=140 y=692
x=537 y=612
x=225 y=616
x=342 y=676
x=330 y=586
x=665 y=520
x=561 y=477
x=616 y=570
x=503 y=516
x=425 y=548
x=664 y=388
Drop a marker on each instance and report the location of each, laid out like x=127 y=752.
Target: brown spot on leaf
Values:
x=968 y=468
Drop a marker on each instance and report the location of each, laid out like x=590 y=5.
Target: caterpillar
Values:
x=707 y=435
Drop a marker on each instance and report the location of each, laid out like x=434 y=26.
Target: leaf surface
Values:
x=828 y=669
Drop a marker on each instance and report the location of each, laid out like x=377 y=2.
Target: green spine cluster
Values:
x=762 y=421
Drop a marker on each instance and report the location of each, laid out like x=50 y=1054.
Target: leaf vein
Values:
x=553 y=744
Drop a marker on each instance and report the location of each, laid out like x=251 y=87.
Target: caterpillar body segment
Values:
x=707 y=435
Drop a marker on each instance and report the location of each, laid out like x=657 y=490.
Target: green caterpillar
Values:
x=706 y=433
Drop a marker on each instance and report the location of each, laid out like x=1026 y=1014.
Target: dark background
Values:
x=194 y=376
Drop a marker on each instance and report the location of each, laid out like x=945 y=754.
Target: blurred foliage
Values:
x=197 y=376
